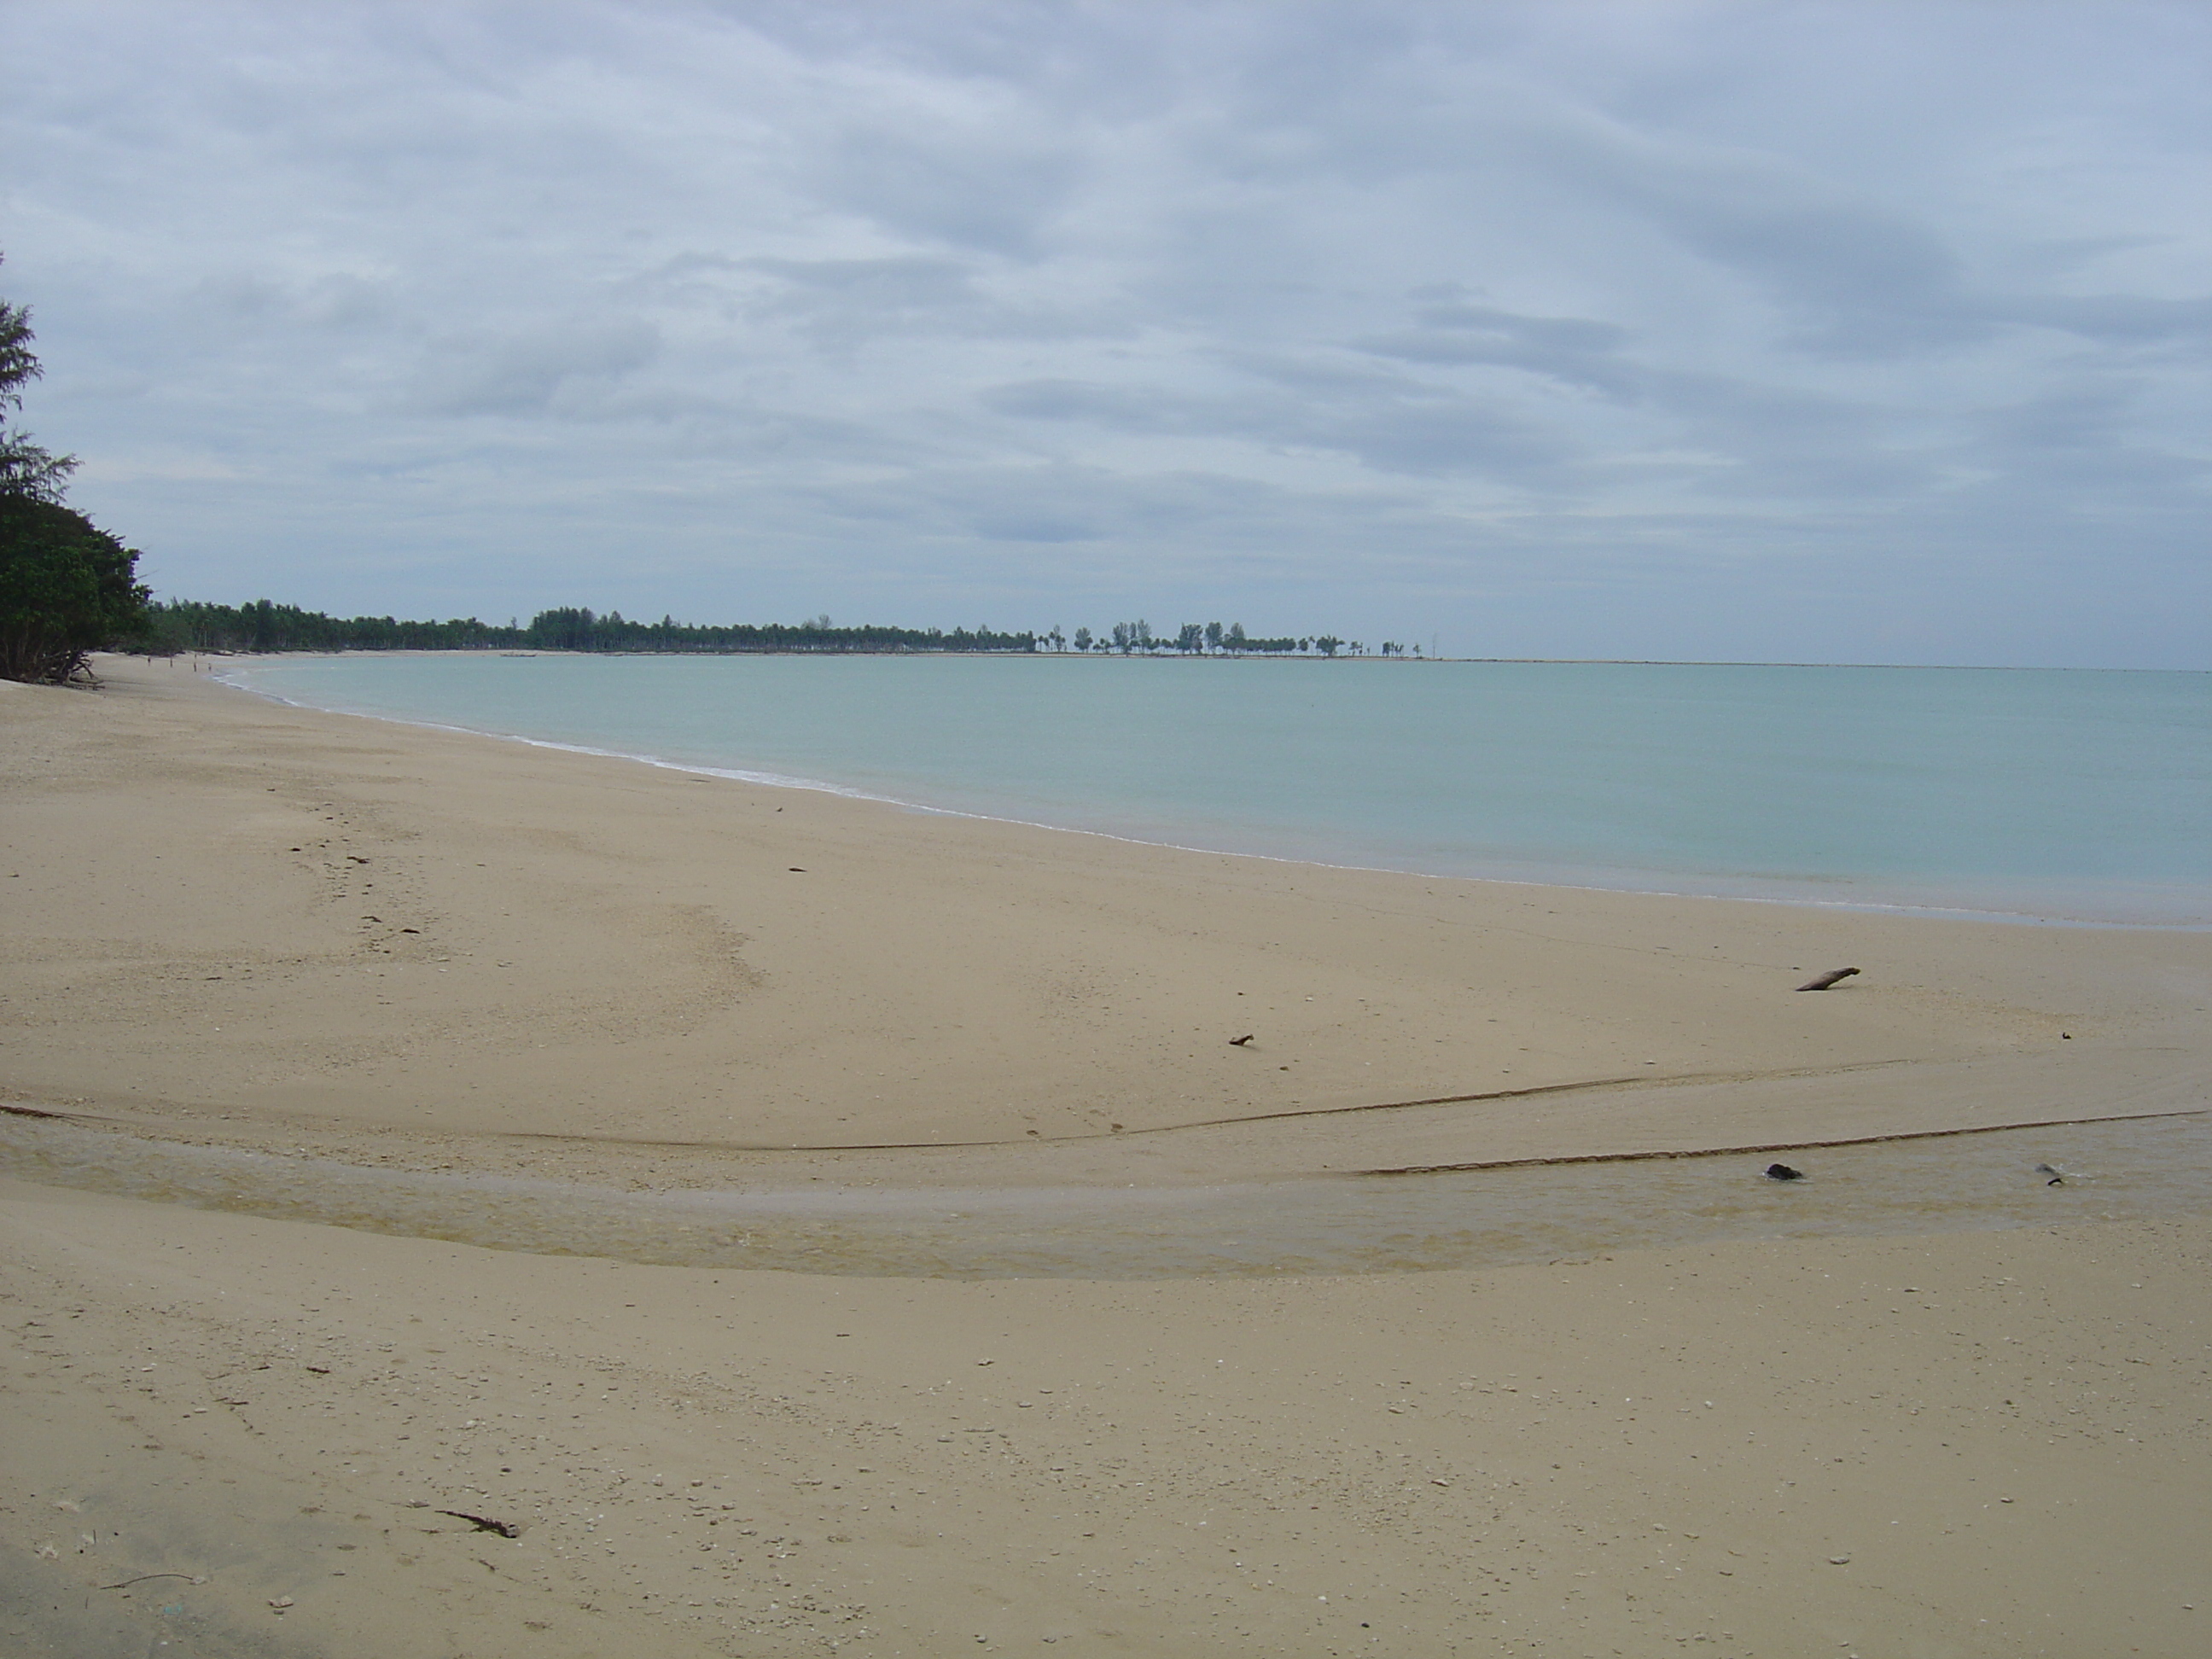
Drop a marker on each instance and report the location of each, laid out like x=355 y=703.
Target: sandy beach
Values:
x=237 y=925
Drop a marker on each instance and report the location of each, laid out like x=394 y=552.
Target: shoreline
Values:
x=1364 y=990
x=1654 y=883
x=313 y=937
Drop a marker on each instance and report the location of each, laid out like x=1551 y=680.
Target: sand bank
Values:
x=234 y=923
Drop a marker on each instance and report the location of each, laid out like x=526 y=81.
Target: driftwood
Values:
x=484 y=1524
x=1238 y=1042
x=1835 y=977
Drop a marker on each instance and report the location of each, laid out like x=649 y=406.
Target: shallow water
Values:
x=2135 y=1169
x=2054 y=795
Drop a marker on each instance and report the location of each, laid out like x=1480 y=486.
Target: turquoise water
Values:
x=2054 y=795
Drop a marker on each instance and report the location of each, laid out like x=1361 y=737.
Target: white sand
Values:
x=610 y=955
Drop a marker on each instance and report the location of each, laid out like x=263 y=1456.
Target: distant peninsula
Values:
x=174 y=625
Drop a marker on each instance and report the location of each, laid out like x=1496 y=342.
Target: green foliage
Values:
x=26 y=469
x=1191 y=639
x=67 y=589
x=1235 y=641
x=189 y=625
x=582 y=631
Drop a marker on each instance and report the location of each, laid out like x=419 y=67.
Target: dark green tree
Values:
x=26 y=469
x=67 y=589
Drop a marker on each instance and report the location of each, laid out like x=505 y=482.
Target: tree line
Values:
x=1130 y=638
x=582 y=631
x=191 y=625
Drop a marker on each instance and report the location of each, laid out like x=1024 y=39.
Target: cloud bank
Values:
x=1696 y=330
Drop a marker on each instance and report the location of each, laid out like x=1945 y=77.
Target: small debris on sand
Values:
x=485 y=1523
x=1833 y=976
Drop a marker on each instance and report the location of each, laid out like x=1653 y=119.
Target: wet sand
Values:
x=264 y=933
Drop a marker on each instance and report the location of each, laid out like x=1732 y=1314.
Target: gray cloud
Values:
x=1855 y=274
x=992 y=192
x=1392 y=424
x=1577 y=352
x=1562 y=329
x=566 y=368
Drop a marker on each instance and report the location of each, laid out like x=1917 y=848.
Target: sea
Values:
x=2061 y=797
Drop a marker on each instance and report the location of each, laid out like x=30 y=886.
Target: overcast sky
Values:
x=1865 y=332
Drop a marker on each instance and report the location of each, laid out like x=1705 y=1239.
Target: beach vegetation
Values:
x=177 y=625
x=67 y=587
x=26 y=469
